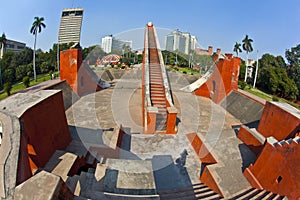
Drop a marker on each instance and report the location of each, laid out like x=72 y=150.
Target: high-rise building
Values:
x=107 y=43
x=12 y=45
x=70 y=25
x=110 y=43
x=179 y=41
x=194 y=43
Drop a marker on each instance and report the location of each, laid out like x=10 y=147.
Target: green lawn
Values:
x=184 y=70
x=20 y=86
x=268 y=97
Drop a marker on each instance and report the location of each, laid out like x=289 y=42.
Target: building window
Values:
x=78 y=13
x=65 y=14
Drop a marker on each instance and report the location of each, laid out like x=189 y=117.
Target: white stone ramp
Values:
x=198 y=83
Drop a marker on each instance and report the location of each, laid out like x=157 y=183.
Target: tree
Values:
x=2 y=43
x=293 y=69
x=237 y=48
x=26 y=81
x=7 y=88
x=247 y=46
x=273 y=77
x=36 y=28
x=2 y=49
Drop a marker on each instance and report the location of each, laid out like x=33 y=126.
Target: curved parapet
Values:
x=198 y=83
x=9 y=154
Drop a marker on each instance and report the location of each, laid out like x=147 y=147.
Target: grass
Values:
x=20 y=86
x=184 y=70
x=268 y=97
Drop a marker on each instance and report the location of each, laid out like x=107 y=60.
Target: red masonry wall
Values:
x=223 y=80
x=72 y=70
x=45 y=130
x=277 y=169
x=253 y=143
x=278 y=123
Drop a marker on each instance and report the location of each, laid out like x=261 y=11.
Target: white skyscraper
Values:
x=179 y=41
x=109 y=43
x=70 y=25
x=194 y=42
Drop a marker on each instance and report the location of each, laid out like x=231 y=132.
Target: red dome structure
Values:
x=111 y=59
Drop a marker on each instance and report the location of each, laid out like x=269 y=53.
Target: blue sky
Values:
x=274 y=25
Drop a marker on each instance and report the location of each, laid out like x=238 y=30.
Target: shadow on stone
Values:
x=169 y=176
x=247 y=155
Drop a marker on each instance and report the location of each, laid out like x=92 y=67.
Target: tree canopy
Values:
x=293 y=69
x=247 y=44
x=274 y=78
x=237 y=48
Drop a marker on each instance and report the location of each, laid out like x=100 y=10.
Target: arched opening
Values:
x=214 y=86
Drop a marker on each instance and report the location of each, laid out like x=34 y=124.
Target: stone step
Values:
x=158 y=95
x=259 y=194
x=158 y=102
x=160 y=98
x=158 y=88
x=270 y=196
x=61 y=163
x=90 y=159
x=161 y=106
x=77 y=148
x=81 y=185
x=72 y=182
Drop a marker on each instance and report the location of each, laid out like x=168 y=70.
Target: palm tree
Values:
x=2 y=43
x=247 y=46
x=36 y=28
x=2 y=49
x=237 y=48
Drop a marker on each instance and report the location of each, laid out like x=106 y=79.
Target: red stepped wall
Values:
x=223 y=80
x=74 y=72
x=44 y=131
x=278 y=122
x=277 y=169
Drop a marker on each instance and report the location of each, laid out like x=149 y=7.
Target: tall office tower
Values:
x=194 y=42
x=107 y=43
x=70 y=25
x=179 y=41
x=175 y=41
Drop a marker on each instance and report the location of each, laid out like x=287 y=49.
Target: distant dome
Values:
x=111 y=59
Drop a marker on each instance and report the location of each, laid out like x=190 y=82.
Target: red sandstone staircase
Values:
x=257 y=195
x=157 y=89
x=197 y=191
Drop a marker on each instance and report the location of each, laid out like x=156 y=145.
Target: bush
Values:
x=7 y=88
x=274 y=98
x=242 y=84
x=184 y=72
x=26 y=81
